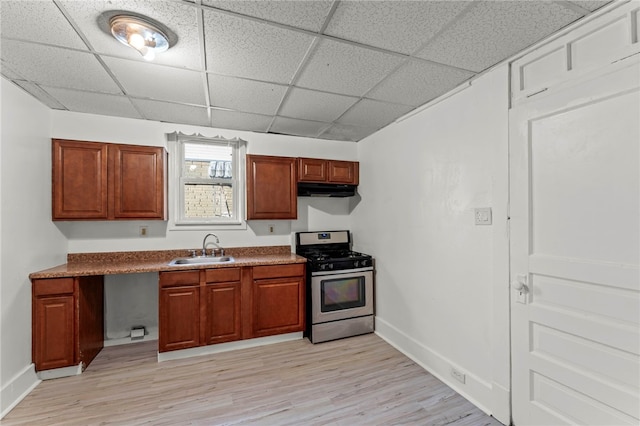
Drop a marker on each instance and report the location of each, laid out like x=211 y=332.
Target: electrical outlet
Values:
x=458 y=375
x=272 y=229
x=144 y=231
x=483 y=216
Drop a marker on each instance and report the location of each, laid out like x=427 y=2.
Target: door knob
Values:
x=520 y=283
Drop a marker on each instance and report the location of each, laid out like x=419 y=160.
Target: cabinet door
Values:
x=79 y=175
x=138 y=182
x=223 y=322
x=53 y=332
x=271 y=188
x=90 y=305
x=343 y=172
x=278 y=306
x=312 y=170
x=179 y=318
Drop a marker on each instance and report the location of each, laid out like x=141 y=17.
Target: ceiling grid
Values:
x=327 y=69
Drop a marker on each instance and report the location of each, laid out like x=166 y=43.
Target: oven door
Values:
x=338 y=295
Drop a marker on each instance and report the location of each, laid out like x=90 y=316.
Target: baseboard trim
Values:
x=230 y=346
x=153 y=335
x=475 y=390
x=501 y=404
x=56 y=373
x=17 y=389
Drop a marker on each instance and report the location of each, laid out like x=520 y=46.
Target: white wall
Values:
x=113 y=236
x=29 y=241
x=132 y=300
x=441 y=280
x=438 y=274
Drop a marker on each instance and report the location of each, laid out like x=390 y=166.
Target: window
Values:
x=207 y=182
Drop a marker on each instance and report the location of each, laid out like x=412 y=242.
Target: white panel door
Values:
x=575 y=249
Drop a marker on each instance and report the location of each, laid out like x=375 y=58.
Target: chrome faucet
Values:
x=204 y=245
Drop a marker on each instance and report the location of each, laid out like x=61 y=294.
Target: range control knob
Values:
x=365 y=262
x=356 y=263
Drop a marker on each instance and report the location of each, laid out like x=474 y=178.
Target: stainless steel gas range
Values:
x=339 y=286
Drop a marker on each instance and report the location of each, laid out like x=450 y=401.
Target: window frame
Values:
x=176 y=142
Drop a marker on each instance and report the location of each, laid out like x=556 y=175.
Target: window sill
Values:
x=207 y=226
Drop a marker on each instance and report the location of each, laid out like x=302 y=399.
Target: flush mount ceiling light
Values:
x=140 y=34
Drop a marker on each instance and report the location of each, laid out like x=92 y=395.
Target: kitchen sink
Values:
x=200 y=260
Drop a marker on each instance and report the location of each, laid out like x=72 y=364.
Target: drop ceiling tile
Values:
x=240 y=121
x=57 y=67
x=345 y=68
x=590 y=4
x=247 y=95
x=42 y=17
x=41 y=95
x=148 y=80
x=417 y=82
x=318 y=106
x=346 y=132
x=8 y=73
x=252 y=49
x=308 y=15
x=290 y=126
x=494 y=30
x=401 y=26
x=179 y=18
x=172 y=113
x=94 y=103
x=373 y=114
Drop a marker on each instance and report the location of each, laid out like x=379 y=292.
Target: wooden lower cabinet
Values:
x=209 y=306
x=179 y=318
x=53 y=332
x=223 y=321
x=199 y=307
x=278 y=299
x=196 y=308
x=68 y=321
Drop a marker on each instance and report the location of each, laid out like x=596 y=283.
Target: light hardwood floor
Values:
x=356 y=381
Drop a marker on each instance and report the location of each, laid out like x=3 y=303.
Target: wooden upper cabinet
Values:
x=271 y=187
x=312 y=170
x=102 y=181
x=79 y=180
x=327 y=171
x=138 y=181
x=343 y=172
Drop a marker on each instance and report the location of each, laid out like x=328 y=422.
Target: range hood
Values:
x=307 y=189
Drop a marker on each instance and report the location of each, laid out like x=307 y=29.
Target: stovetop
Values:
x=319 y=256
x=328 y=251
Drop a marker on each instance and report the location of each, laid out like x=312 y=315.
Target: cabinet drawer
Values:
x=170 y=279
x=222 y=275
x=277 y=271
x=52 y=286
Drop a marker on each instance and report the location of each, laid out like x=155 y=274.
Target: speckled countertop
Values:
x=131 y=262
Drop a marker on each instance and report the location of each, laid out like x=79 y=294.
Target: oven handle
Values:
x=341 y=271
